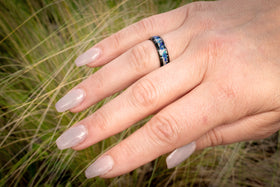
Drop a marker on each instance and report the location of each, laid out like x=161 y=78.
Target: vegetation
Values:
x=39 y=41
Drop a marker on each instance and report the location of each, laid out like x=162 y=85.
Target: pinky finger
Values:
x=250 y=128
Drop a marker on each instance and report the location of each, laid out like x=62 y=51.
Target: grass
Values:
x=39 y=40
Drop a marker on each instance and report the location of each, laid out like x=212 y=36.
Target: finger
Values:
x=250 y=128
x=178 y=124
x=127 y=68
x=254 y=127
x=116 y=44
x=143 y=98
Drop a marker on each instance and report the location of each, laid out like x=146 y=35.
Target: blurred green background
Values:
x=39 y=41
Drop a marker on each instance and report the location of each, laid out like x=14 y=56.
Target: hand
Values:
x=221 y=85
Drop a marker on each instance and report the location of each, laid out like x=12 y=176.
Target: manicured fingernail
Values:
x=100 y=167
x=88 y=56
x=179 y=155
x=72 y=137
x=70 y=100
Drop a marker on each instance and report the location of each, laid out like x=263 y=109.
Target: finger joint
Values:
x=145 y=94
x=140 y=57
x=145 y=26
x=116 y=39
x=215 y=137
x=100 y=120
x=164 y=129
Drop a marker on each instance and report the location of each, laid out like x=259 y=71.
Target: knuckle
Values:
x=140 y=57
x=146 y=25
x=225 y=91
x=145 y=93
x=97 y=80
x=100 y=120
x=214 y=45
x=205 y=22
x=215 y=138
x=218 y=44
x=164 y=130
x=115 y=40
x=129 y=148
x=200 y=23
x=225 y=98
x=197 y=7
x=211 y=48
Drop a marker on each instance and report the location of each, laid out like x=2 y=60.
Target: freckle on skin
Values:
x=230 y=93
x=204 y=119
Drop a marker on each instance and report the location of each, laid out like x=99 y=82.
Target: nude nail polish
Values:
x=100 y=167
x=180 y=154
x=88 y=56
x=72 y=137
x=71 y=99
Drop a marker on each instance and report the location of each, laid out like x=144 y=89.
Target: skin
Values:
x=221 y=86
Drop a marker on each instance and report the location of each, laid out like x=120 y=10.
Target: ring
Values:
x=161 y=49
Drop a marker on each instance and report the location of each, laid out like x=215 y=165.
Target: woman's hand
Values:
x=221 y=85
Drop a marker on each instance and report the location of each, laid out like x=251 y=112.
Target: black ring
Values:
x=161 y=49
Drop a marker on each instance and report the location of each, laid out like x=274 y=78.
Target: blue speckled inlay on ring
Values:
x=162 y=50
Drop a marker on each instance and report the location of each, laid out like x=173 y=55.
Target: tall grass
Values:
x=39 y=40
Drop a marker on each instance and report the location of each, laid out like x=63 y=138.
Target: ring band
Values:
x=161 y=49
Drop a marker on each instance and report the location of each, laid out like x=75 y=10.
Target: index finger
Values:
x=111 y=47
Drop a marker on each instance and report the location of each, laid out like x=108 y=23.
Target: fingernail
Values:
x=70 y=100
x=100 y=167
x=72 y=137
x=88 y=56
x=179 y=155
